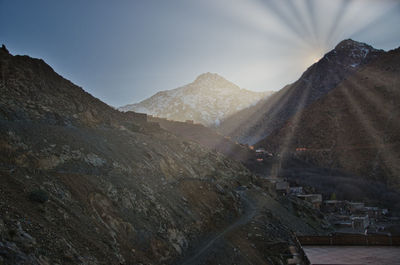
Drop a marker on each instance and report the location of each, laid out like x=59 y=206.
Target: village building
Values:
x=333 y=206
x=296 y=190
x=354 y=207
x=299 y=149
x=373 y=212
x=343 y=224
x=314 y=199
x=262 y=153
x=276 y=184
x=282 y=187
x=360 y=223
x=340 y=221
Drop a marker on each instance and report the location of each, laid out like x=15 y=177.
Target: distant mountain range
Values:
x=208 y=100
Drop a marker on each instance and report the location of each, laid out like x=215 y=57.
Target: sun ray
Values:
x=294 y=120
x=310 y=5
x=337 y=19
x=390 y=10
x=377 y=137
x=301 y=21
x=282 y=15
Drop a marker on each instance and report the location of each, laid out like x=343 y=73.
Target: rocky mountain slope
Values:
x=82 y=183
x=207 y=100
x=214 y=141
x=255 y=123
x=354 y=127
x=207 y=137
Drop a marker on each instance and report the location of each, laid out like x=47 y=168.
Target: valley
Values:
x=85 y=183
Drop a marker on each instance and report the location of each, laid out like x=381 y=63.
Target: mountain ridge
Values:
x=353 y=127
x=255 y=123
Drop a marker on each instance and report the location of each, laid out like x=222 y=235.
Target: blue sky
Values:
x=124 y=51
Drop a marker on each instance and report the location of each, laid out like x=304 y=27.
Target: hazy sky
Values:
x=124 y=51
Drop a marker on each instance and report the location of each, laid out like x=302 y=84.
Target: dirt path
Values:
x=202 y=250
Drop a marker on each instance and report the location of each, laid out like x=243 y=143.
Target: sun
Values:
x=312 y=59
x=313 y=54
x=316 y=59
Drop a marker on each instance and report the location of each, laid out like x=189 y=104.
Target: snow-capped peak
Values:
x=207 y=100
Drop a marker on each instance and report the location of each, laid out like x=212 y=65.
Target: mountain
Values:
x=355 y=127
x=82 y=183
x=207 y=100
x=257 y=122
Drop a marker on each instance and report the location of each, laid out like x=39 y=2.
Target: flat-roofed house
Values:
x=282 y=187
x=360 y=223
x=354 y=207
x=333 y=206
x=296 y=190
x=314 y=199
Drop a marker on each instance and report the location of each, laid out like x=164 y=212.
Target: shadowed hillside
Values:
x=85 y=184
x=355 y=127
x=207 y=138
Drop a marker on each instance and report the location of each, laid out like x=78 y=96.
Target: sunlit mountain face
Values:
x=208 y=100
x=290 y=138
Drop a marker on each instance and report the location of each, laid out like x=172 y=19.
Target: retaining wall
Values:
x=351 y=240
